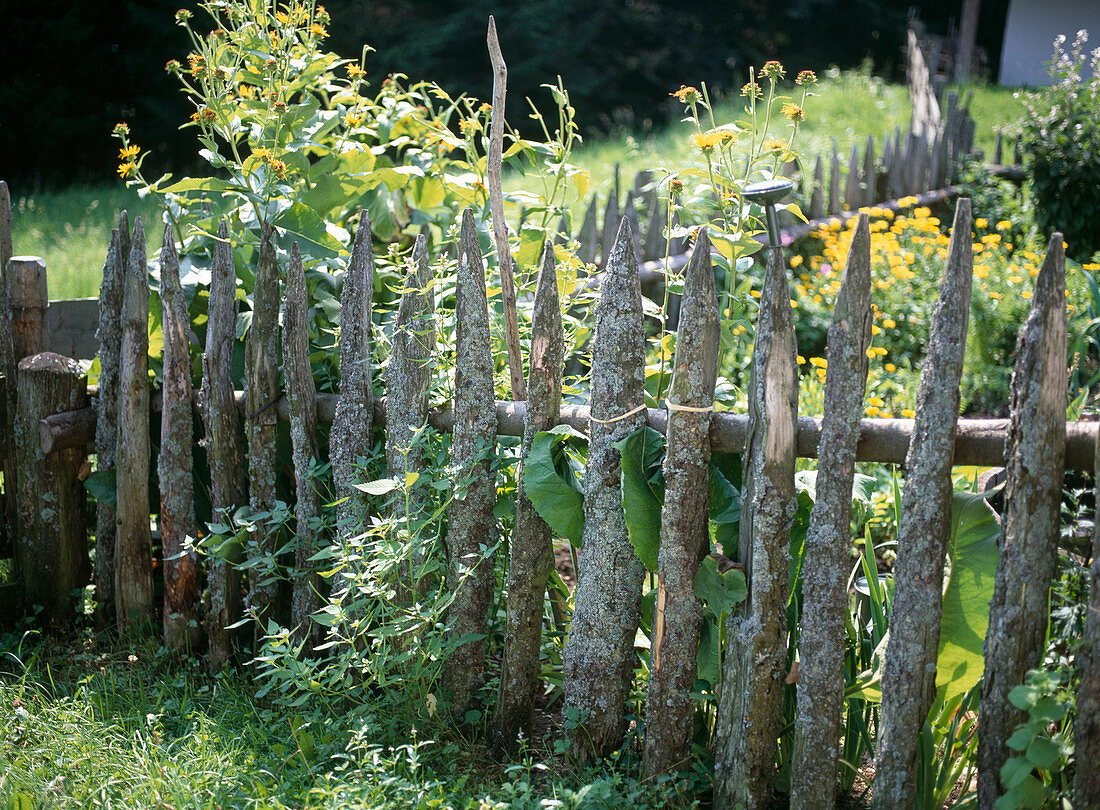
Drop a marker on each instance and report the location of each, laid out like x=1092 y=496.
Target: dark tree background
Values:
x=70 y=70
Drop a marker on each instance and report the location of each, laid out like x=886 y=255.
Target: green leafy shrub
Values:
x=1060 y=134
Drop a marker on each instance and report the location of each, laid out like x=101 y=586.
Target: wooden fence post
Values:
x=1031 y=521
x=301 y=399
x=53 y=547
x=828 y=543
x=174 y=467
x=109 y=337
x=588 y=237
x=749 y=712
x=1086 y=729
x=531 y=553
x=408 y=377
x=817 y=200
x=471 y=528
x=909 y=673
x=599 y=655
x=133 y=567
x=607 y=235
x=350 y=437
x=261 y=390
x=685 y=538
x=224 y=450
x=27 y=302
x=834 y=182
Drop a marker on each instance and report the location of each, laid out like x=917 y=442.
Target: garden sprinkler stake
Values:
x=767 y=194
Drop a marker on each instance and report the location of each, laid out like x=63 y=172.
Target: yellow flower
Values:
x=752 y=90
x=686 y=94
x=128 y=152
x=353 y=119
x=890 y=367
x=773 y=70
x=318 y=30
x=354 y=71
x=774 y=145
x=278 y=168
x=819 y=362
x=806 y=77
x=889 y=323
x=1004 y=225
x=794 y=113
x=707 y=140
x=126 y=169
x=981 y=222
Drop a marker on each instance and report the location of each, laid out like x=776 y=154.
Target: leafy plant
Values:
x=1036 y=775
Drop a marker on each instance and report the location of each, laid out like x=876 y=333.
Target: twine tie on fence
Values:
x=618 y=418
x=672 y=406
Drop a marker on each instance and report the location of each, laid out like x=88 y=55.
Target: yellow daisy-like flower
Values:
x=126 y=169
x=127 y=153
x=794 y=113
x=354 y=71
x=686 y=94
x=353 y=119
x=706 y=140
x=318 y=30
x=1004 y=225
x=774 y=144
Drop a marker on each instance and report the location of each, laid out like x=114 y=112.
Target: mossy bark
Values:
x=471 y=527
x=750 y=706
x=828 y=542
x=178 y=525
x=408 y=378
x=685 y=538
x=599 y=655
x=224 y=451
x=261 y=391
x=531 y=553
x=133 y=542
x=909 y=673
x=1086 y=728
x=350 y=437
x=301 y=399
x=1031 y=521
x=52 y=549
x=109 y=337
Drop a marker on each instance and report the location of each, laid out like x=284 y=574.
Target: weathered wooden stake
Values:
x=224 y=451
x=531 y=553
x=301 y=394
x=109 y=336
x=853 y=199
x=588 y=238
x=9 y=521
x=178 y=525
x=834 y=182
x=817 y=201
x=909 y=674
x=496 y=203
x=350 y=437
x=828 y=543
x=52 y=549
x=133 y=564
x=870 y=173
x=607 y=235
x=685 y=538
x=471 y=527
x=599 y=655
x=1031 y=521
x=749 y=712
x=1086 y=728
x=261 y=386
x=408 y=377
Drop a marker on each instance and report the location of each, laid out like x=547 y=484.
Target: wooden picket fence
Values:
x=51 y=422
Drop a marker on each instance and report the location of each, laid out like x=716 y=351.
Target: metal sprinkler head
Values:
x=767 y=193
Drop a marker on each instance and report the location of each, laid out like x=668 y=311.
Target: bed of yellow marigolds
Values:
x=908 y=255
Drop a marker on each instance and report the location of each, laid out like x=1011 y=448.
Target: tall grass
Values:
x=70 y=230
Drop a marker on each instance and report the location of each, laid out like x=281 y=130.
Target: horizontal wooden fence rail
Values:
x=980 y=442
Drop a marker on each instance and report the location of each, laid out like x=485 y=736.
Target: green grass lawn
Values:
x=70 y=230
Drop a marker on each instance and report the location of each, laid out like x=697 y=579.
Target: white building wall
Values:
x=1030 y=30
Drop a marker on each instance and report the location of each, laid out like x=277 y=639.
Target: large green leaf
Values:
x=643 y=491
x=973 y=551
x=302 y=221
x=550 y=483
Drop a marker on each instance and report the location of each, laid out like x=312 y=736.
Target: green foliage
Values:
x=1060 y=133
x=1035 y=776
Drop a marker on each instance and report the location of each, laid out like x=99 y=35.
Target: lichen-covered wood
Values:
x=531 y=553
x=52 y=549
x=828 y=541
x=9 y=522
x=471 y=527
x=224 y=451
x=300 y=394
x=1086 y=727
x=1031 y=523
x=599 y=655
x=27 y=301
x=109 y=337
x=749 y=712
x=685 y=537
x=350 y=438
x=909 y=673
x=178 y=525
x=608 y=235
x=261 y=390
x=408 y=377
x=133 y=542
